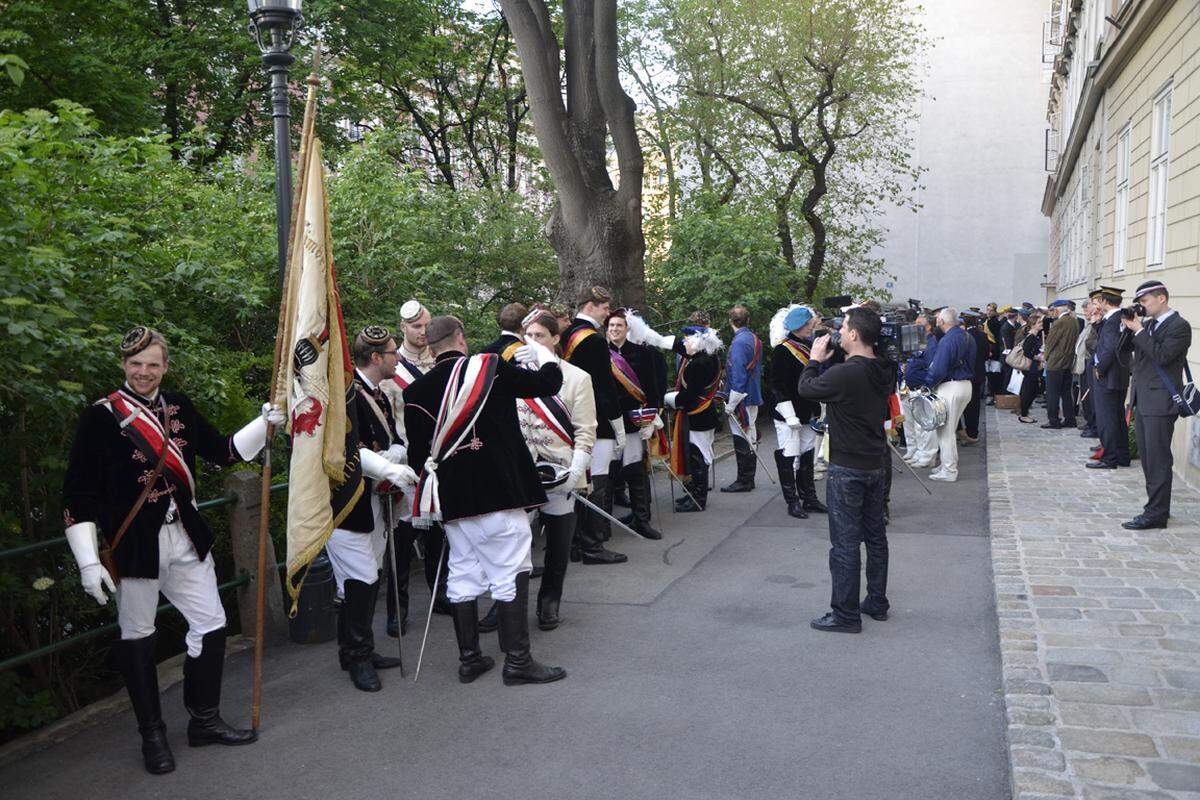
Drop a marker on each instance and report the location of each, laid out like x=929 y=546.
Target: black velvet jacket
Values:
x=698 y=372
x=492 y=470
x=651 y=370
x=106 y=474
x=785 y=378
x=374 y=434
x=502 y=343
x=591 y=356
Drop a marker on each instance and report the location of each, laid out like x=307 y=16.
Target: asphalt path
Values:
x=693 y=674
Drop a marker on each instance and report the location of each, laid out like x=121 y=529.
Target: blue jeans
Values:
x=855 y=500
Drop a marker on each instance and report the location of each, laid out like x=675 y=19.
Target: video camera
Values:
x=898 y=336
x=1136 y=310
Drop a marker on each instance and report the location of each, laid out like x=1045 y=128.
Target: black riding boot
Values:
x=639 y=496
x=519 y=665
x=697 y=486
x=471 y=661
x=787 y=482
x=377 y=661
x=591 y=526
x=358 y=643
x=202 y=696
x=135 y=662
x=558 y=542
x=806 y=485
x=746 y=467
x=397 y=618
x=489 y=622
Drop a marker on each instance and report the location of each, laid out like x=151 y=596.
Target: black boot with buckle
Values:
x=202 y=696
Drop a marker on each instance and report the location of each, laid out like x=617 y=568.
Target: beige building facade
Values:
x=1123 y=193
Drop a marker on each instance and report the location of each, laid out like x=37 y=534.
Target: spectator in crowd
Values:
x=1029 y=339
x=950 y=376
x=1059 y=359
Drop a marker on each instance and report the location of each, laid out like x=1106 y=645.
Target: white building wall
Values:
x=979 y=134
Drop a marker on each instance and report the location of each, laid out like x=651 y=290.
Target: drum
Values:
x=928 y=410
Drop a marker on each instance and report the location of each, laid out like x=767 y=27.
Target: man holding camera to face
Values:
x=1161 y=338
x=856 y=393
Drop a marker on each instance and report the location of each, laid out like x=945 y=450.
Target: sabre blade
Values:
x=605 y=514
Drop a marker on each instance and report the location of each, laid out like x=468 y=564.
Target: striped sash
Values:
x=800 y=351
x=466 y=392
x=145 y=430
x=554 y=415
x=628 y=380
x=406 y=372
x=575 y=339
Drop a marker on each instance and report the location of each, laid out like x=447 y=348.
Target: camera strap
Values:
x=1187 y=401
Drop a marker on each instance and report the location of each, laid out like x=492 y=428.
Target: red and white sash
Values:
x=406 y=372
x=143 y=427
x=554 y=415
x=466 y=392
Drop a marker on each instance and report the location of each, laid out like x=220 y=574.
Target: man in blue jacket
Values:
x=950 y=374
x=743 y=387
x=921 y=444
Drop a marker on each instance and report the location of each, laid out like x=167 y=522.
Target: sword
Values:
x=909 y=468
x=753 y=446
x=432 y=598
x=391 y=551
x=682 y=485
x=605 y=514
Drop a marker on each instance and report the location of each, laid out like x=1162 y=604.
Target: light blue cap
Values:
x=797 y=318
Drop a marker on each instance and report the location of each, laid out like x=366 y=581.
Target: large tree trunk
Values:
x=596 y=228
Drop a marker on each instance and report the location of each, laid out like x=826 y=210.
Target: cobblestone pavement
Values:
x=1099 y=626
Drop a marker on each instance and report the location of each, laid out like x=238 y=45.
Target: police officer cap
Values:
x=797 y=318
x=1060 y=302
x=1110 y=292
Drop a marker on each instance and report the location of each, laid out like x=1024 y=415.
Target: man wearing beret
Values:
x=1161 y=339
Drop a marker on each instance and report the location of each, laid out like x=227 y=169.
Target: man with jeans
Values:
x=856 y=396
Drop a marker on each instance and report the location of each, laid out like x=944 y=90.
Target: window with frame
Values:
x=1121 y=207
x=1160 y=162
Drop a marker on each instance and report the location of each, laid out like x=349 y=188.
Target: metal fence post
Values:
x=245 y=487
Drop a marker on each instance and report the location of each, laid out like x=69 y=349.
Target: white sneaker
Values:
x=924 y=463
x=942 y=475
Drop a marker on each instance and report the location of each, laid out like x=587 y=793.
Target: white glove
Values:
x=92 y=575
x=669 y=399
x=646 y=432
x=401 y=475
x=374 y=466
x=580 y=461
x=543 y=354
x=619 y=432
x=525 y=355
x=788 y=412
x=735 y=399
x=273 y=415
x=396 y=453
x=251 y=439
x=639 y=331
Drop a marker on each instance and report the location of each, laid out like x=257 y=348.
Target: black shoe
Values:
x=1140 y=523
x=489 y=622
x=814 y=505
x=547 y=615
x=602 y=555
x=135 y=661
x=576 y=554
x=646 y=530
x=1089 y=433
x=829 y=624
x=878 y=616
x=202 y=696
x=1099 y=465
x=377 y=661
x=687 y=506
x=397 y=629
x=1052 y=426
x=1096 y=448
x=519 y=664
x=471 y=661
x=796 y=509
x=738 y=486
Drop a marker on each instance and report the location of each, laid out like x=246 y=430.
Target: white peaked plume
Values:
x=776 y=330
x=707 y=340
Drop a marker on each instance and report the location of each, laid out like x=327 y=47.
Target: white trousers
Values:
x=956 y=395
x=358 y=556
x=187 y=582
x=487 y=552
x=602 y=455
x=751 y=429
x=704 y=441
x=558 y=503
x=922 y=444
x=634 y=448
x=795 y=442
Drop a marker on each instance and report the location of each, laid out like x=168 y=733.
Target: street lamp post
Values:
x=273 y=24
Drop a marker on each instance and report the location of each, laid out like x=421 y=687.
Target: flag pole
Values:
x=264 y=517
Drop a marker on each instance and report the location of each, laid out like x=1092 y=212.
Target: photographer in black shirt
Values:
x=856 y=394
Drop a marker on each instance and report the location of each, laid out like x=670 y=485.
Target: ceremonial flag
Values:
x=316 y=388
